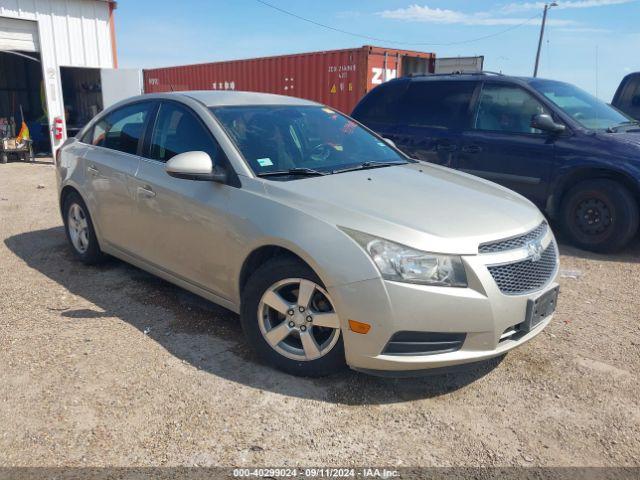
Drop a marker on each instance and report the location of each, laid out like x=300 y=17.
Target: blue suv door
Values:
x=501 y=145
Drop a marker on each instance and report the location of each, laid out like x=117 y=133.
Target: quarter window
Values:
x=436 y=104
x=120 y=130
x=504 y=108
x=177 y=131
x=381 y=104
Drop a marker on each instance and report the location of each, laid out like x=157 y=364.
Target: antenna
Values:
x=597 y=71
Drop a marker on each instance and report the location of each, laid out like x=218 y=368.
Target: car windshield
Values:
x=586 y=109
x=310 y=140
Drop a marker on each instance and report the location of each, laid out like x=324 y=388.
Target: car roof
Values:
x=474 y=77
x=218 y=98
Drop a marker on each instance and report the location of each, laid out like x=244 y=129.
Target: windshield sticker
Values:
x=264 y=162
x=328 y=110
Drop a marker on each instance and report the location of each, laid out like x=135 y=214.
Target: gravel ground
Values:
x=109 y=366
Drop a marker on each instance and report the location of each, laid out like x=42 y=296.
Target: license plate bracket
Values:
x=540 y=308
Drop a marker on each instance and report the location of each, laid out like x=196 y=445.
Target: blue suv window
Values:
x=380 y=105
x=505 y=108
x=437 y=104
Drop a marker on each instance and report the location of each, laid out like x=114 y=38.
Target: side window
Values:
x=177 y=130
x=380 y=105
x=120 y=130
x=504 y=108
x=436 y=104
x=631 y=97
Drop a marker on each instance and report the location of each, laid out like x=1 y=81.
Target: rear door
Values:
x=502 y=147
x=111 y=162
x=431 y=117
x=182 y=223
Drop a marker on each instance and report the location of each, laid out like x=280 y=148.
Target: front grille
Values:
x=515 y=242
x=525 y=276
x=423 y=343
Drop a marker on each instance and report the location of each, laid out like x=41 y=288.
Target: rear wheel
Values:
x=79 y=229
x=600 y=215
x=289 y=318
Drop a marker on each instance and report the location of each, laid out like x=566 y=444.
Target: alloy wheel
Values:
x=297 y=319
x=78 y=228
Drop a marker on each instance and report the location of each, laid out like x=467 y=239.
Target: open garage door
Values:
x=20 y=35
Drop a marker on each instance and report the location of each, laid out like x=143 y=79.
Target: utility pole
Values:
x=547 y=6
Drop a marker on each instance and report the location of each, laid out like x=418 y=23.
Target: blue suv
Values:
x=575 y=157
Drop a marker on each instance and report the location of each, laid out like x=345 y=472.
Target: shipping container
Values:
x=338 y=78
x=459 y=64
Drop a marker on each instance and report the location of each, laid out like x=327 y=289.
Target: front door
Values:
x=183 y=223
x=501 y=145
x=111 y=162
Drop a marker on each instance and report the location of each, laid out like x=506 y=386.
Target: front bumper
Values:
x=481 y=311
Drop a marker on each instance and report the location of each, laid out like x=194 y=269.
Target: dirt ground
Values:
x=109 y=366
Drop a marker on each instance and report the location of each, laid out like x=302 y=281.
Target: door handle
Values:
x=472 y=149
x=93 y=170
x=146 y=191
x=446 y=147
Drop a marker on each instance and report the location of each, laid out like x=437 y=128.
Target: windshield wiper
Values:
x=615 y=128
x=368 y=165
x=301 y=172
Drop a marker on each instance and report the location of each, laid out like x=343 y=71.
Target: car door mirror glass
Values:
x=544 y=122
x=193 y=166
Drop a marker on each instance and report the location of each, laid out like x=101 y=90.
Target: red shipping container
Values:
x=338 y=78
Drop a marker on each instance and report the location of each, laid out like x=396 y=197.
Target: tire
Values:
x=84 y=245
x=291 y=354
x=600 y=215
x=4 y=158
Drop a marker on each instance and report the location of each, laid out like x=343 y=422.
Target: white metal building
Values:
x=57 y=61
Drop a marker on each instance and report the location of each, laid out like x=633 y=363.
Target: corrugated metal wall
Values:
x=74 y=33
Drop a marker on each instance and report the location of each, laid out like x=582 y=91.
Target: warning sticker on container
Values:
x=264 y=162
x=333 y=89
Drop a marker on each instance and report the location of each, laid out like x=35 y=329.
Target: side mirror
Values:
x=195 y=166
x=545 y=123
x=390 y=142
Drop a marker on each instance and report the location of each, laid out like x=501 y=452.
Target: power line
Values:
x=388 y=41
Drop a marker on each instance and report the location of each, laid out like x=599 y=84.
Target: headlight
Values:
x=403 y=264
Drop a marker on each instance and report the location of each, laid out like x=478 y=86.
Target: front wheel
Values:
x=600 y=215
x=289 y=318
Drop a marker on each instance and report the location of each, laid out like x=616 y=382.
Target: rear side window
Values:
x=177 y=130
x=380 y=105
x=121 y=129
x=436 y=104
x=630 y=100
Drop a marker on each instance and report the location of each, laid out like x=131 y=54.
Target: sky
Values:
x=591 y=43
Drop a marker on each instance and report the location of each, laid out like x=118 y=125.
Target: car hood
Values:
x=631 y=137
x=427 y=207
